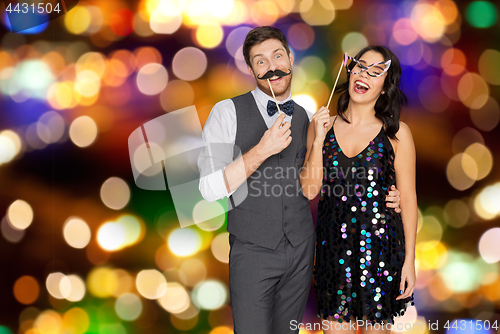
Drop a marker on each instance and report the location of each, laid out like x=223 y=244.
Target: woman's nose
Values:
x=364 y=74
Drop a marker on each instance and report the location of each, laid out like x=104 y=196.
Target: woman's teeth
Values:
x=362 y=85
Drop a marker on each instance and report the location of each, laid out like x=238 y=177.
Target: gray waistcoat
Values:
x=275 y=204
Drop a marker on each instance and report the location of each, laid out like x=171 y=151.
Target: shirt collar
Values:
x=262 y=97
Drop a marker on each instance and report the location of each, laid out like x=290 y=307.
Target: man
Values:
x=272 y=237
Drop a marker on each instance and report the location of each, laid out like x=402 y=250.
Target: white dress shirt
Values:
x=221 y=128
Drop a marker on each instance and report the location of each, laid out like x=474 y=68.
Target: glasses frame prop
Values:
x=387 y=64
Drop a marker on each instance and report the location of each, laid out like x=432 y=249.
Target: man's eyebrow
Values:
x=260 y=54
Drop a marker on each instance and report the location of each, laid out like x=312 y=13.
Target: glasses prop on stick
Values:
x=336 y=80
x=374 y=70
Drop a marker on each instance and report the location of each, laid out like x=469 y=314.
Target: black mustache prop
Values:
x=278 y=73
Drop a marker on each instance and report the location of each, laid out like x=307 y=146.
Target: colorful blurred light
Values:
x=460 y=274
x=133 y=227
x=176 y=299
x=115 y=193
x=151 y=284
x=78 y=20
x=166 y=19
x=194 y=271
x=122 y=22
x=184 y=242
x=317 y=13
x=403 y=32
x=20 y=214
x=482 y=157
x=48 y=321
x=189 y=63
x=453 y=61
x=209 y=295
x=481 y=14
x=220 y=247
x=11 y=234
x=76 y=232
x=456 y=213
x=102 y=282
x=489 y=66
x=75 y=321
x=430 y=233
x=73 y=288
x=487 y=117
x=307 y=102
x=486 y=202
x=209 y=216
x=152 y=79
x=300 y=36
x=428 y=22
x=314 y=67
x=50 y=127
x=128 y=307
x=26 y=290
x=353 y=42
x=83 y=131
x=464 y=138
x=473 y=91
x=111 y=236
x=10 y=145
x=209 y=35
x=178 y=94
x=53 y=285
x=235 y=39
x=489 y=247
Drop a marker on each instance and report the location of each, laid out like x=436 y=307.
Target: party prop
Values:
x=270 y=74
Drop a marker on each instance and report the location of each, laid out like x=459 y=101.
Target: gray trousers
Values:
x=269 y=288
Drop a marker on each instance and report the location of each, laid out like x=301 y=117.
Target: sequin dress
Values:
x=360 y=247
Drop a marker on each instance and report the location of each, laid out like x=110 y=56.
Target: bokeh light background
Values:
x=83 y=250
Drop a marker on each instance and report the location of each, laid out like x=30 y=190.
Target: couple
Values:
x=364 y=266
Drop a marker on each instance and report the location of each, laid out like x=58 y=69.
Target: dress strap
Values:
x=334 y=124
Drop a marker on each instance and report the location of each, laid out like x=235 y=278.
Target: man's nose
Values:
x=272 y=65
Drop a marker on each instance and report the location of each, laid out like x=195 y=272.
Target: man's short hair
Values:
x=259 y=35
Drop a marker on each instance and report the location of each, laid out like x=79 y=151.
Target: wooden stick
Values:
x=335 y=85
x=277 y=105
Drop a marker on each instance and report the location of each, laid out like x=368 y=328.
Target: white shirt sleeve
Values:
x=219 y=134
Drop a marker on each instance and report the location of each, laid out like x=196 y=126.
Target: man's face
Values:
x=271 y=55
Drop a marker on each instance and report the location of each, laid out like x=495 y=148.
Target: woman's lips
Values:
x=360 y=90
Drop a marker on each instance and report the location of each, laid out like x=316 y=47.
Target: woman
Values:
x=365 y=251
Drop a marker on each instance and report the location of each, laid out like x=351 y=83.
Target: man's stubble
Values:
x=264 y=86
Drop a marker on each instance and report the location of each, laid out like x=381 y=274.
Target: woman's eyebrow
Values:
x=364 y=63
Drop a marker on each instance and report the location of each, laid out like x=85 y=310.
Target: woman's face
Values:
x=363 y=88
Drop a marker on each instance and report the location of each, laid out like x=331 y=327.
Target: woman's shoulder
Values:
x=404 y=132
x=404 y=138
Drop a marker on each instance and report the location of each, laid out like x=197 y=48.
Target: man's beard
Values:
x=264 y=86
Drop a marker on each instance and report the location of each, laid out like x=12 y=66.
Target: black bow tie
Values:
x=286 y=107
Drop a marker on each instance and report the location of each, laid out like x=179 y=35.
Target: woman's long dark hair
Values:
x=388 y=106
